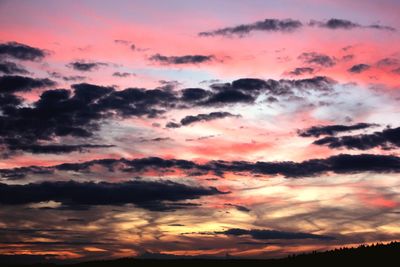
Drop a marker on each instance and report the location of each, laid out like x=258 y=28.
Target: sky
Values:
x=151 y=128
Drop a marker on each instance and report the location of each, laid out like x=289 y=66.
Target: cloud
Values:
x=249 y=84
x=359 y=68
x=172 y=125
x=80 y=112
x=194 y=94
x=335 y=24
x=9 y=100
x=53 y=148
x=229 y=97
x=60 y=113
x=288 y=25
x=157 y=139
x=262 y=234
x=317 y=59
x=123 y=42
x=388 y=62
x=387 y=139
x=134 y=166
x=247 y=90
x=316 y=131
x=239 y=207
x=301 y=71
x=12 y=84
x=347 y=58
x=122 y=74
x=381 y=27
x=126 y=43
x=205 y=117
x=8 y=67
x=201 y=117
x=73 y=78
x=396 y=71
x=21 y=51
x=56 y=113
x=82 y=65
x=177 y=60
x=269 y=25
x=340 y=164
x=150 y=195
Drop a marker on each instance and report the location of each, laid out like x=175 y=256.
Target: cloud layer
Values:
x=147 y=195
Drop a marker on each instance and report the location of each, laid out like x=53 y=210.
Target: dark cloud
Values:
x=172 y=125
x=348 y=47
x=388 y=62
x=269 y=25
x=249 y=84
x=337 y=164
x=262 y=234
x=56 y=113
x=335 y=24
x=205 y=117
x=81 y=111
x=317 y=59
x=381 y=27
x=157 y=139
x=316 y=131
x=348 y=57
x=288 y=25
x=139 y=102
x=194 y=94
x=397 y=71
x=247 y=90
x=9 y=100
x=82 y=65
x=8 y=67
x=127 y=43
x=359 y=68
x=387 y=139
x=151 y=195
x=169 y=85
x=60 y=113
x=238 y=207
x=14 y=83
x=123 y=42
x=200 y=117
x=229 y=97
x=123 y=74
x=301 y=71
x=21 y=51
x=340 y=164
x=177 y=60
x=53 y=148
x=73 y=78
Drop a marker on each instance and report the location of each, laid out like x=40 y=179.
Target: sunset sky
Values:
x=253 y=129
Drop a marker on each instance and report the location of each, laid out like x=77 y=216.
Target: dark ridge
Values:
x=362 y=255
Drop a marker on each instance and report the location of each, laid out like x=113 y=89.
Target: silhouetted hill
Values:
x=362 y=255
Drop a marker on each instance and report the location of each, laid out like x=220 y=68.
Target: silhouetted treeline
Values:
x=360 y=256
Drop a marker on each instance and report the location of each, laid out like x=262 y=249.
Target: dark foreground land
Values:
x=374 y=255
